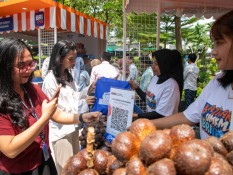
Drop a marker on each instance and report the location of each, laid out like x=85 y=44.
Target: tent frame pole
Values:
x=55 y=35
x=39 y=47
x=124 y=42
x=158 y=25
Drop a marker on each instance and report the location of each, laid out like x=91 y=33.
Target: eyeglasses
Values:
x=23 y=67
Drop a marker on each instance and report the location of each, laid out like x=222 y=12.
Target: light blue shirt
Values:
x=133 y=72
x=146 y=78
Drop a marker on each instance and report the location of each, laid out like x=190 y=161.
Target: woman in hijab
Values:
x=163 y=94
x=213 y=107
x=81 y=76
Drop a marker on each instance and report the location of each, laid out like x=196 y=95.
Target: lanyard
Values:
x=33 y=111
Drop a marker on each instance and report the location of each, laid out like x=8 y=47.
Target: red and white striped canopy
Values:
x=61 y=17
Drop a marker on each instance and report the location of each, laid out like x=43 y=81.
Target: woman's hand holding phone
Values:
x=56 y=94
x=48 y=108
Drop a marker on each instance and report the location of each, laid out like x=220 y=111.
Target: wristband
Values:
x=81 y=118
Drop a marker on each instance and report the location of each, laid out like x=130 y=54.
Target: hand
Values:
x=90 y=100
x=57 y=92
x=48 y=108
x=133 y=85
x=91 y=116
x=135 y=115
x=92 y=86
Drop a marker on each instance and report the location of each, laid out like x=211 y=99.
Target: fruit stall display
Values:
x=99 y=128
x=145 y=150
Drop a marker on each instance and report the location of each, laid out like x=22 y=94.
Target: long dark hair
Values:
x=60 y=50
x=224 y=26
x=10 y=49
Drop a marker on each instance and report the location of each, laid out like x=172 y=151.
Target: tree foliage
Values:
x=142 y=27
x=197 y=36
x=107 y=11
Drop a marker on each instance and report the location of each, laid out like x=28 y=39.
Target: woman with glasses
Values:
x=213 y=107
x=65 y=138
x=163 y=94
x=24 y=115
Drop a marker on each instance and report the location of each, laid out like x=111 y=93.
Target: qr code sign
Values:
x=119 y=119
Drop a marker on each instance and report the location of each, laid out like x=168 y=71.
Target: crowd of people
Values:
x=39 y=126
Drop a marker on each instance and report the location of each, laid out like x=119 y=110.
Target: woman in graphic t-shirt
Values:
x=163 y=94
x=214 y=105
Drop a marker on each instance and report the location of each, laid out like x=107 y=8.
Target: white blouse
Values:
x=69 y=100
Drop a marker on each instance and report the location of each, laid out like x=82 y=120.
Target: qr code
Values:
x=119 y=119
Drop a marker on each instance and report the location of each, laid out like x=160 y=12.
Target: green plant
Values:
x=207 y=71
x=37 y=57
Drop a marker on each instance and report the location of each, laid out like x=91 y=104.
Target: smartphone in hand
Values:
x=56 y=94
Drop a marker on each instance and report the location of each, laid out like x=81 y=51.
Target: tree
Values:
x=167 y=35
x=107 y=11
x=142 y=27
x=199 y=40
x=178 y=33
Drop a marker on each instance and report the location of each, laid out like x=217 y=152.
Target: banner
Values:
x=6 y=24
x=102 y=93
x=39 y=19
x=120 y=112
